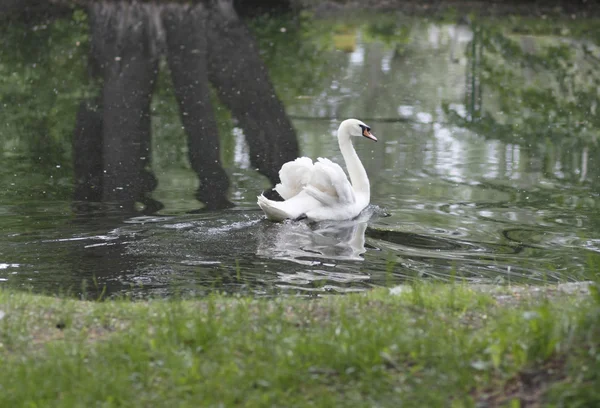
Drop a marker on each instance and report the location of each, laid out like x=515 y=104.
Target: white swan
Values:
x=321 y=191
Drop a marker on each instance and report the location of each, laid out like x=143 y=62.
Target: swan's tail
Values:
x=270 y=209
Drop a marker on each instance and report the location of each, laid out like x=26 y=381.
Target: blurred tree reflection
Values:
x=539 y=88
x=293 y=47
x=38 y=65
x=534 y=89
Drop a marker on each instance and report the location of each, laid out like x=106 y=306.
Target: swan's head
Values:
x=355 y=127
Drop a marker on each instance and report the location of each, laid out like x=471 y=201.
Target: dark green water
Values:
x=486 y=167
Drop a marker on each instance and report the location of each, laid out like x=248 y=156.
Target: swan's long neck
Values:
x=358 y=174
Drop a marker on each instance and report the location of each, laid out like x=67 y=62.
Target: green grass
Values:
x=430 y=346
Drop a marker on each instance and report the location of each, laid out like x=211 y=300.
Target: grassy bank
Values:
x=429 y=346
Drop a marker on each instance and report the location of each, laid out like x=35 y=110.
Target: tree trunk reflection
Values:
x=204 y=43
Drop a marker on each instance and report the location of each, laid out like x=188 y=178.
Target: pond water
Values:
x=486 y=169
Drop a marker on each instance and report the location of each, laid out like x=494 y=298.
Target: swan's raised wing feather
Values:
x=329 y=184
x=294 y=176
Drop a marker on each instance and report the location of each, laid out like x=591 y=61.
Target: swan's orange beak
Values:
x=367 y=133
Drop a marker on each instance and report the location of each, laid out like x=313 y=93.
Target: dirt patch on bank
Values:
x=528 y=387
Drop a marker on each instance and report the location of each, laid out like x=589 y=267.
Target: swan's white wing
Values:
x=294 y=175
x=329 y=184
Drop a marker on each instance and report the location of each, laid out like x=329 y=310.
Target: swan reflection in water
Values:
x=316 y=243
